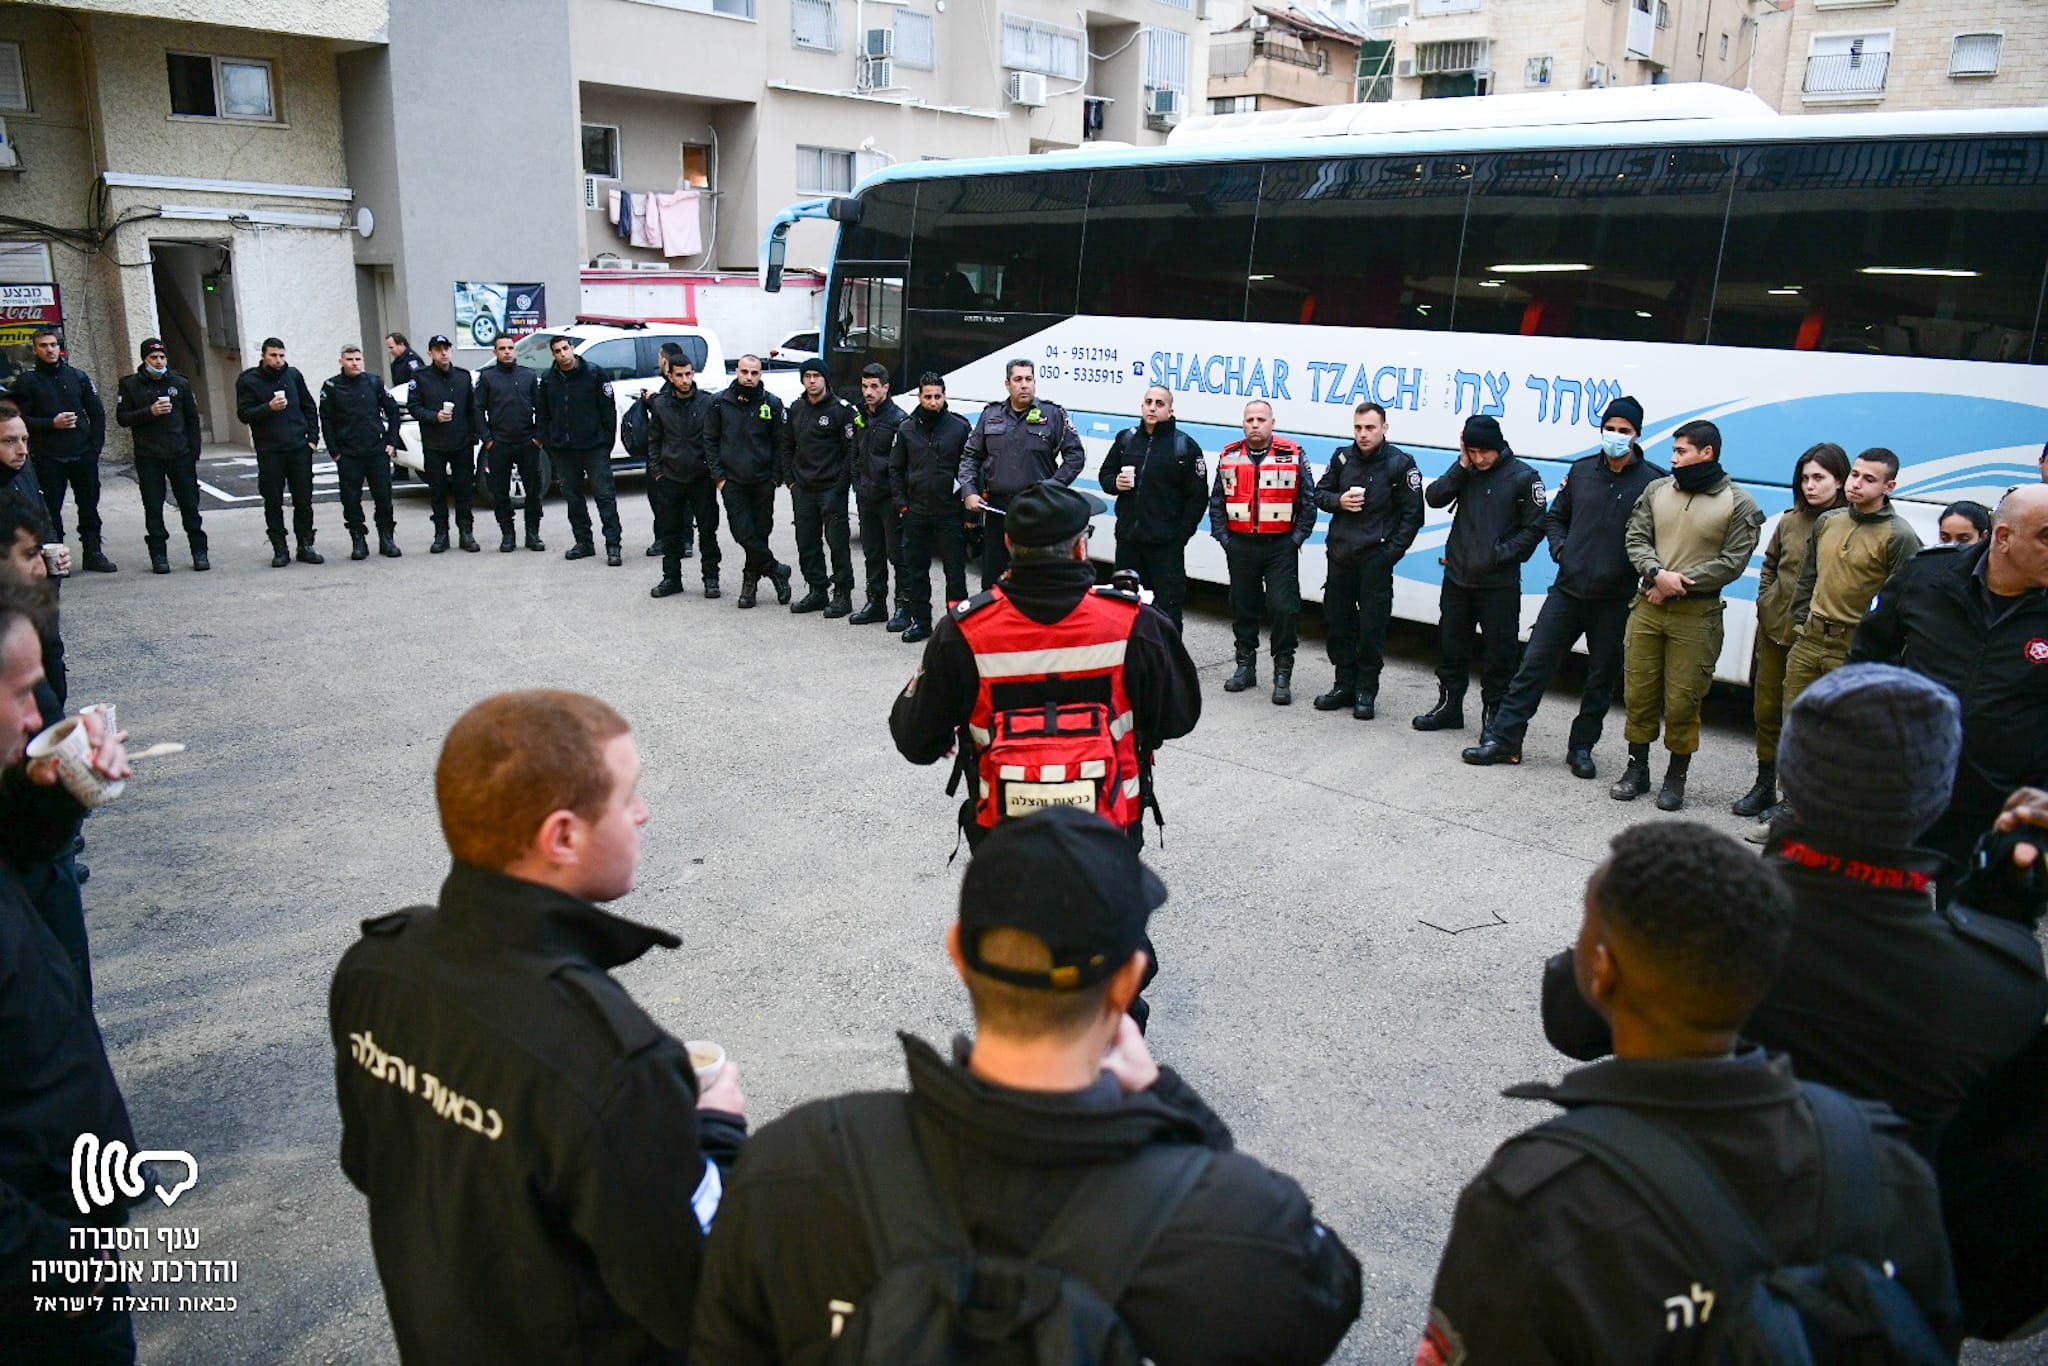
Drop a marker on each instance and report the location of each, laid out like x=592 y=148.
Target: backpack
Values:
x=1844 y=1309
x=633 y=429
x=1054 y=755
x=938 y=1301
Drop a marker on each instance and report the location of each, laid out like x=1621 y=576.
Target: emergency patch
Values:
x=607 y=391
x=2037 y=651
x=1034 y=416
x=767 y=415
x=1414 y=479
x=1441 y=1345
x=1536 y=493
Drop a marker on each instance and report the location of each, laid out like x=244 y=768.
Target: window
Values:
x=1166 y=59
x=1931 y=248
x=614 y=359
x=1235 y=104
x=220 y=88
x=1974 y=54
x=1724 y=47
x=814 y=24
x=738 y=9
x=1380 y=18
x=1848 y=64
x=1663 y=14
x=915 y=47
x=883 y=233
x=1005 y=243
x=823 y=170
x=648 y=355
x=601 y=151
x=13 y=79
x=1436 y=59
x=1536 y=72
x=696 y=166
x=869 y=314
x=1168 y=242
x=1178 y=4
x=1031 y=46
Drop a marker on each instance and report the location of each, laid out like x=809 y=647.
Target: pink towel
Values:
x=677 y=214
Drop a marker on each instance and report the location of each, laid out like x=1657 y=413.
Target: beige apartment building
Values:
x=1281 y=57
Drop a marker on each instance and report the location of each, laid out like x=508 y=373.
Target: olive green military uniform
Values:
x=1777 y=586
x=1853 y=554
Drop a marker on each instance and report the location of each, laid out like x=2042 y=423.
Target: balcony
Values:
x=1642 y=29
x=1846 y=76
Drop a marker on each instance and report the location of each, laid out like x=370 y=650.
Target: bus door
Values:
x=864 y=324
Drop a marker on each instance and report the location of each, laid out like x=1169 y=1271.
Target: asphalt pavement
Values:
x=1350 y=957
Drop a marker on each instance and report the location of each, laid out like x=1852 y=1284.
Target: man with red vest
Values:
x=1261 y=512
x=1058 y=690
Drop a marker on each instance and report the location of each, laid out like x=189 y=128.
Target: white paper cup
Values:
x=105 y=711
x=707 y=1058
x=67 y=742
x=57 y=558
x=448 y=407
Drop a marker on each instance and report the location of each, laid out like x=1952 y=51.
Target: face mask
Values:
x=159 y=371
x=1698 y=478
x=1614 y=445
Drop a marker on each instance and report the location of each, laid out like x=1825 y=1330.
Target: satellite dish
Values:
x=366 y=222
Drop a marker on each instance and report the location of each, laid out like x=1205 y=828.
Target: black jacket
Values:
x=359 y=415
x=574 y=411
x=924 y=463
x=1008 y=451
x=430 y=389
x=1587 y=524
x=676 y=448
x=405 y=365
x=744 y=433
x=1498 y=522
x=175 y=435
x=505 y=395
x=874 y=440
x=1552 y=1259
x=43 y=391
x=1393 y=502
x=818 y=442
x=527 y=1137
x=1171 y=484
x=295 y=427
x=1936 y=618
x=1243 y=1272
x=1881 y=996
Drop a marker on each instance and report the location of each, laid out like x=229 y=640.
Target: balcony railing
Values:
x=1847 y=73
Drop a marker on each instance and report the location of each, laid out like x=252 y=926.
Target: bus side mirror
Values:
x=844 y=210
x=778 y=251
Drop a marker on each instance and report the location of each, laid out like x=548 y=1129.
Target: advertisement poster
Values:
x=24 y=311
x=485 y=308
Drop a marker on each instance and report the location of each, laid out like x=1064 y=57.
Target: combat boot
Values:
x=159 y=560
x=1447 y=714
x=1283 y=680
x=667 y=588
x=534 y=542
x=711 y=588
x=507 y=541
x=1493 y=749
x=870 y=612
x=840 y=606
x=1635 y=779
x=1337 y=698
x=746 y=597
x=898 y=623
x=280 y=553
x=308 y=555
x=916 y=631
x=96 y=559
x=1579 y=759
x=387 y=545
x=467 y=539
x=780 y=575
x=1247 y=675
x=813 y=601
x=1365 y=707
x=358 y=545
x=1671 y=796
x=199 y=560
x=582 y=550
x=1487 y=711
x=439 y=545
x=1761 y=796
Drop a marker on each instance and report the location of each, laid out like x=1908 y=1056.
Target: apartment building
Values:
x=1909 y=54
x=1282 y=57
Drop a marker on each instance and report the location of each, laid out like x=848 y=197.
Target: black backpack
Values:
x=633 y=429
x=1846 y=1309
x=940 y=1302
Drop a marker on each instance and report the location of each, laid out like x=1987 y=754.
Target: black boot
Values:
x=1337 y=698
x=199 y=560
x=439 y=545
x=688 y=549
x=534 y=542
x=813 y=601
x=870 y=612
x=899 y=622
x=654 y=550
x=507 y=541
x=1579 y=759
x=358 y=545
x=1494 y=749
x=582 y=550
x=1366 y=707
x=748 y=586
x=614 y=557
x=711 y=588
x=280 y=553
x=159 y=560
x=780 y=575
x=387 y=545
x=1247 y=675
x=1447 y=714
x=96 y=559
x=1763 y=794
x=1283 y=680
x=1635 y=779
x=916 y=631
x=1487 y=711
x=667 y=588
x=840 y=606
x=308 y=555
x=467 y=539
x=1671 y=796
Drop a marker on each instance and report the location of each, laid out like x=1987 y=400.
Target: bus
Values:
x=1868 y=279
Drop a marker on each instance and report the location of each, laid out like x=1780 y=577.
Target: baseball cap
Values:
x=1068 y=877
x=438 y=339
x=150 y=344
x=811 y=366
x=1049 y=512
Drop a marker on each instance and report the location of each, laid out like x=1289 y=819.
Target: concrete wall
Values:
x=350 y=20
x=652 y=131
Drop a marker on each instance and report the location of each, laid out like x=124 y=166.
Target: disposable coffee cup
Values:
x=448 y=408
x=54 y=556
x=279 y=393
x=68 y=744
x=105 y=711
x=707 y=1058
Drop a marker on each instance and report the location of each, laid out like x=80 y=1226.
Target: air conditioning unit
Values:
x=877 y=73
x=1596 y=74
x=653 y=265
x=881 y=42
x=1404 y=68
x=1027 y=88
x=1260 y=21
x=1162 y=107
x=593 y=197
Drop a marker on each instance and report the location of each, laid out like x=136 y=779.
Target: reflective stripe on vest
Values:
x=1259 y=495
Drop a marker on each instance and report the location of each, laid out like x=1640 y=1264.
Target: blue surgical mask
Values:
x=158 y=370
x=1614 y=445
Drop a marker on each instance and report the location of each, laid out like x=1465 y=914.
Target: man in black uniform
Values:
x=578 y=422
x=284 y=422
x=67 y=427
x=156 y=405
x=361 y=420
x=684 y=475
x=443 y=402
x=1552 y=1255
x=542 y=1160
x=670 y=354
x=505 y=396
x=1587 y=526
x=743 y=437
x=1373 y=493
x=1975 y=620
x=405 y=362
x=924 y=481
x=1161 y=483
x=1498 y=524
x=817 y=464
x=1015 y=444
x=881 y=517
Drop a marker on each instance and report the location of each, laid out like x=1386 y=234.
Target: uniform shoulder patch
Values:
x=625 y=1025
x=393 y=923
x=1526 y=1164
x=1414 y=477
x=1536 y=494
x=974 y=604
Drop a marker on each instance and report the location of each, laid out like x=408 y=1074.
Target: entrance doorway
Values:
x=194 y=284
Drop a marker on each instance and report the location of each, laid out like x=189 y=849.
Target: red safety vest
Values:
x=1071 y=753
x=1259 y=496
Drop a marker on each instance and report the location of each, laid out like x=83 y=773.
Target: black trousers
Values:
x=1494 y=614
x=274 y=471
x=1358 y=602
x=82 y=477
x=995 y=550
x=501 y=458
x=181 y=479
x=922 y=534
x=881 y=546
x=1163 y=568
x=1265 y=577
x=1564 y=618
x=452 y=469
x=677 y=504
x=592 y=468
x=750 y=515
x=821 y=524
x=372 y=468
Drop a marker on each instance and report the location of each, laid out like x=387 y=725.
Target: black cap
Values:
x=811 y=366
x=1483 y=434
x=438 y=339
x=1068 y=877
x=1049 y=512
x=150 y=344
x=1628 y=410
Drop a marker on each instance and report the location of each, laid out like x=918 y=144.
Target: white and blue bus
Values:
x=1866 y=279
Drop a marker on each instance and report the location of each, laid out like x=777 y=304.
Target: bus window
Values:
x=1168 y=242
x=866 y=324
x=1004 y=244
x=1927 y=248
x=883 y=233
x=1617 y=244
x=1359 y=243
